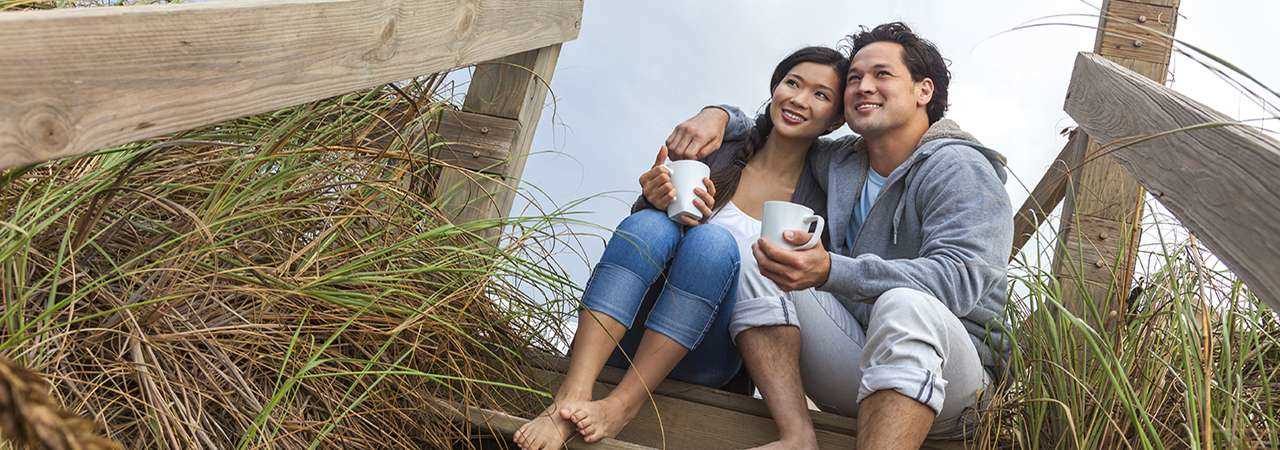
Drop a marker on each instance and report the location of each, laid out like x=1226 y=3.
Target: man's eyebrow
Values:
x=873 y=67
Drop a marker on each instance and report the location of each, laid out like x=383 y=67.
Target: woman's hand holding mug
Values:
x=659 y=190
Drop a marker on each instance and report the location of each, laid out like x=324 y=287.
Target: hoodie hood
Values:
x=941 y=134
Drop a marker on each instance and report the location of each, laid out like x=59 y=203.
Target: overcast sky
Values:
x=640 y=68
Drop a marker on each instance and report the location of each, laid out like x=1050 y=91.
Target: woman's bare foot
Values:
x=599 y=419
x=548 y=431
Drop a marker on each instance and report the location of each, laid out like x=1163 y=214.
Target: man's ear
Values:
x=924 y=92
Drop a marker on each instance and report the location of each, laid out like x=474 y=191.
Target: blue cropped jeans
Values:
x=696 y=300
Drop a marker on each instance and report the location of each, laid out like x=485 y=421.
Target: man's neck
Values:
x=781 y=156
x=889 y=150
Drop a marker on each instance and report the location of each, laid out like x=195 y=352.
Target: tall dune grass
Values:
x=279 y=281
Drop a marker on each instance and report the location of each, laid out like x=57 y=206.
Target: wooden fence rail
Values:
x=76 y=80
x=1217 y=176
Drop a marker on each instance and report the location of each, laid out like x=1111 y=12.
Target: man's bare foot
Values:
x=790 y=444
x=599 y=419
x=548 y=431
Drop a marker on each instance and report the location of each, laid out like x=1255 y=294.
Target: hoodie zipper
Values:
x=897 y=216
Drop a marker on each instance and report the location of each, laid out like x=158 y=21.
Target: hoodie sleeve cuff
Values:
x=842 y=279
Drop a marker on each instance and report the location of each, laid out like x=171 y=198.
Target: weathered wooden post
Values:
x=1101 y=217
x=502 y=106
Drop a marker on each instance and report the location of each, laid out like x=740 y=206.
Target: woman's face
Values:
x=806 y=103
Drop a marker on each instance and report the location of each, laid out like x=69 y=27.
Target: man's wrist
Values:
x=718 y=108
x=825 y=273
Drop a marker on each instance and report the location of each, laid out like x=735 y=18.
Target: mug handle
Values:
x=817 y=232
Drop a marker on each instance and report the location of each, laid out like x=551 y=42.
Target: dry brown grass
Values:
x=279 y=281
x=30 y=418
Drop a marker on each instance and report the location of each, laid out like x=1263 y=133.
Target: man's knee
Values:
x=907 y=306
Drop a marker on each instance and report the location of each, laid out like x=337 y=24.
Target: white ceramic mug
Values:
x=780 y=216
x=685 y=176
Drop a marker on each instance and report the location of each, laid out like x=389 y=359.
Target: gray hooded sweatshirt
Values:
x=942 y=224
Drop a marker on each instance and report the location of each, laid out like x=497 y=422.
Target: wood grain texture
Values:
x=1220 y=182
x=514 y=87
x=691 y=424
x=478 y=142
x=76 y=80
x=1138 y=31
x=1049 y=192
x=707 y=396
x=727 y=408
x=1107 y=200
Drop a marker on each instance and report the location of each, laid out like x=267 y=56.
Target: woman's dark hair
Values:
x=921 y=57
x=726 y=179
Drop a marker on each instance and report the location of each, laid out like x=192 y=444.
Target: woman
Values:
x=686 y=332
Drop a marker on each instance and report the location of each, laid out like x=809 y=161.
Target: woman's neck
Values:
x=781 y=156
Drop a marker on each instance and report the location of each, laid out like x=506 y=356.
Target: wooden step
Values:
x=505 y=425
x=684 y=415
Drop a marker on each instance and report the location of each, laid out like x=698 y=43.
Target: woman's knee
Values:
x=706 y=254
x=712 y=240
x=646 y=235
x=650 y=224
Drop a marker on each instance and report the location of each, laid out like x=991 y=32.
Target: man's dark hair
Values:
x=921 y=57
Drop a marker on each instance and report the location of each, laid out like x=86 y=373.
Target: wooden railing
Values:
x=1219 y=177
x=77 y=80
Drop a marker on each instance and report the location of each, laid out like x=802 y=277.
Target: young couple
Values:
x=896 y=319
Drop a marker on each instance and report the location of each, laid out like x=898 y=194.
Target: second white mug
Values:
x=780 y=216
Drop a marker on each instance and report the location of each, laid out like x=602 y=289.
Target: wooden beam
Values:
x=514 y=87
x=478 y=142
x=1219 y=181
x=1048 y=193
x=152 y=70
x=1102 y=211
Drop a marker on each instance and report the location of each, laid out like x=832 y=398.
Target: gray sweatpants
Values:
x=913 y=345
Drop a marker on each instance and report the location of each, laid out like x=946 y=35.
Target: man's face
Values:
x=879 y=95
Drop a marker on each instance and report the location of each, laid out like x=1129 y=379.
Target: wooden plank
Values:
x=706 y=396
x=478 y=142
x=1048 y=193
x=687 y=424
x=157 y=69
x=514 y=87
x=1102 y=189
x=723 y=419
x=506 y=425
x=1138 y=31
x=1220 y=182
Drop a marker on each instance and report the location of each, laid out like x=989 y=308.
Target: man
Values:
x=901 y=323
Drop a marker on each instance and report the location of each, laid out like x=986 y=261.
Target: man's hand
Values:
x=793 y=270
x=699 y=136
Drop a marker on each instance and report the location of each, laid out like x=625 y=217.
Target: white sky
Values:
x=639 y=68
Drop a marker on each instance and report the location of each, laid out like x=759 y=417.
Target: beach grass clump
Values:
x=1194 y=362
x=286 y=280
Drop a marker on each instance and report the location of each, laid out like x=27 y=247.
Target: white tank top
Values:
x=746 y=231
